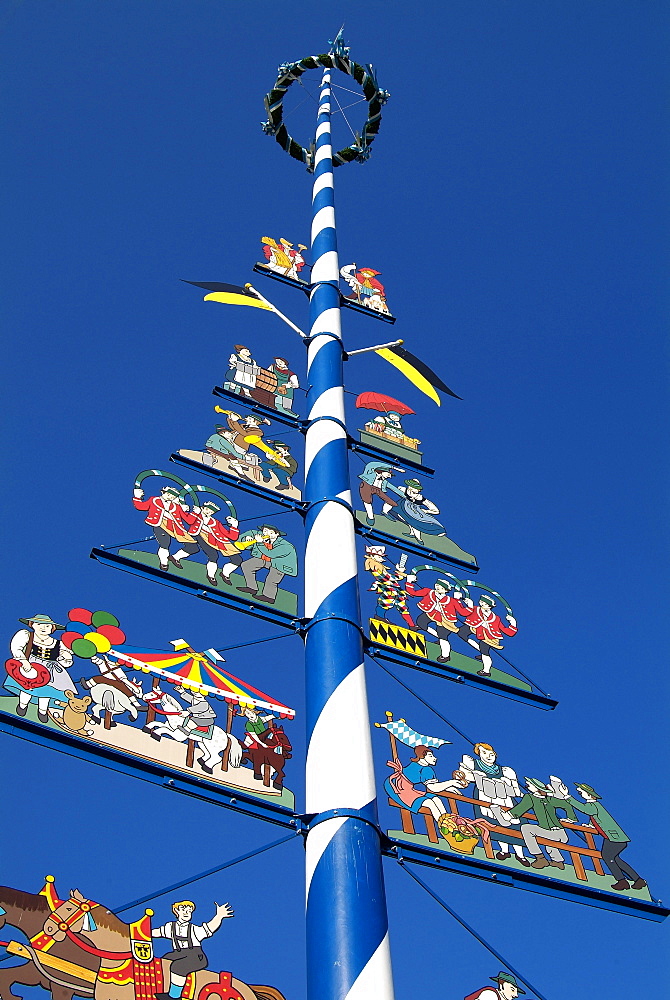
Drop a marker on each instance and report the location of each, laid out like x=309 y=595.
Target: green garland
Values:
x=290 y=72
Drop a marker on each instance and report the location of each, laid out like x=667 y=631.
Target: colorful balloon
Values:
x=80 y=615
x=69 y=637
x=99 y=618
x=115 y=635
x=101 y=642
x=84 y=648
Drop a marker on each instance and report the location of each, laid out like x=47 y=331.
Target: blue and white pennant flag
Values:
x=409 y=736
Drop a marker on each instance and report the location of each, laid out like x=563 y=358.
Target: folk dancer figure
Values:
x=214 y=539
x=187 y=956
x=389 y=587
x=38 y=669
x=404 y=786
x=614 y=839
x=287 y=383
x=283 y=470
x=544 y=804
x=166 y=515
x=496 y=787
x=439 y=612
x=507 y=989
x=242 y=372
x=483 y=629
x=375 y=483
x=417 y=511
x=272 y=552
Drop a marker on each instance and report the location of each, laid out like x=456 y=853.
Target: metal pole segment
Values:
x=348 y=955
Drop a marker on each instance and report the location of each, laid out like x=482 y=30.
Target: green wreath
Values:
x=364 y=76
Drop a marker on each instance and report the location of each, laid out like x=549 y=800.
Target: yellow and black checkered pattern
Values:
x=397 y=637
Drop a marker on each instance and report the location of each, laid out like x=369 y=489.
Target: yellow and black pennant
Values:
x=417 y=371
x=232 y=295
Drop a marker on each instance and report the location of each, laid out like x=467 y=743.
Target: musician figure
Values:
x=187 y=956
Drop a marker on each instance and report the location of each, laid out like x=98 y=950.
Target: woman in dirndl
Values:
x=38 y=669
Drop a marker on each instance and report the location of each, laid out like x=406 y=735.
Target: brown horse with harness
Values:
x=115 y=961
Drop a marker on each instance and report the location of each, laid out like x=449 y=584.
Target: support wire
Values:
x=471 y=930
x=206 y=874
x=424 y=702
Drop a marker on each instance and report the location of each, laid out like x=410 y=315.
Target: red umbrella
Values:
x=385 y=404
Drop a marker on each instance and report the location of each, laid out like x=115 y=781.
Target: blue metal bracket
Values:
x=156 y=774
x=407 y=545
x=239 y=483
x=248 y=403
x=305 y=287
x=384 y=456
x=434 y=857
x=377 y=651
x=110 y=558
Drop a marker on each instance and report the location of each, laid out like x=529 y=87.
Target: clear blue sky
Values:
x=516 y=203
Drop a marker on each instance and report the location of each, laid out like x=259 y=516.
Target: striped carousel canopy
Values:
x=197 y=672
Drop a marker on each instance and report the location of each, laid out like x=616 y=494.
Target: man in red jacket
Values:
x=214 y=538
x=483 y=629
x=439 y=612
x=166 y=515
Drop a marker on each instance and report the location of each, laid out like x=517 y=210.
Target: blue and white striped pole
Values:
x=348 y=956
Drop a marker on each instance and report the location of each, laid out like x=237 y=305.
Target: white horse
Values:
x=120 y=694
x=172 y=724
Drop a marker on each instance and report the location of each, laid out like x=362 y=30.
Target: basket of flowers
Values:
x=460 y=833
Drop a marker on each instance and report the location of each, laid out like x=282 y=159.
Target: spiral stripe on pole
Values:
x=348 y=955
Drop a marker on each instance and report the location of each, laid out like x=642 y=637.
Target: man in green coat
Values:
x=544 y=803
x=614 y=839
x=270 y=551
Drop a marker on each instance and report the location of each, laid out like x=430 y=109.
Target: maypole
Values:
x=348 y=952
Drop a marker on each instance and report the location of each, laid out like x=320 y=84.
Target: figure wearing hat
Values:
x=439 y=611
x=272 y=552
x=166 y=515
x=242 y=371
x=283 y=470
x=507 y=988
x=214 y=539
x=368 y=290
x=220 y=446
x=375 y=483
x=389 y=587
x=38 y=669
x=416 y=510
x=390 y=424
x=187 y=955
x=544 y=801
x=282 y=257
x=287 y=383
x=484 y=630
x=614 y=839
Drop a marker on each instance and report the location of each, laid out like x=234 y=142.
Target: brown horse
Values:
x=275 y=753
x=28 y=912
x=111 y=938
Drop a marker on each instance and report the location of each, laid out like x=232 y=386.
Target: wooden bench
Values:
x=508 y=833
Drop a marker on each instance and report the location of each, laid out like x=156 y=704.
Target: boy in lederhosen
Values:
x=187 y=956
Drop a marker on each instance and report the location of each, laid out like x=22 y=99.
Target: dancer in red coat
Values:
x=484 y=630
x=439 y=612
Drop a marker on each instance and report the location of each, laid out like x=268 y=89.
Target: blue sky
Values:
x=516 y=204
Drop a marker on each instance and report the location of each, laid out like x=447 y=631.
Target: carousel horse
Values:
x=275 y=753
x=96 y=930
x=170 y=723
x=62 y=967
